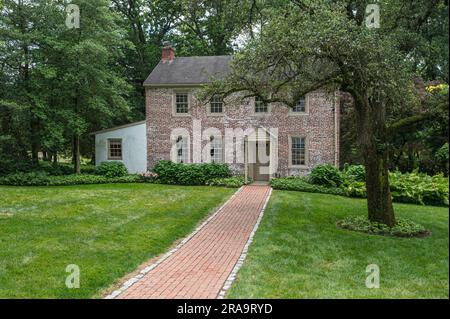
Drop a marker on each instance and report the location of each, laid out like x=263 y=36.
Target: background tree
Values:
x=90 y=91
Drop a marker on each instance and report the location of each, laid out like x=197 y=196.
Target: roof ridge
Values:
x=206 y=56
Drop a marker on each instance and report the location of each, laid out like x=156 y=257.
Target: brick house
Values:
x=184 y=129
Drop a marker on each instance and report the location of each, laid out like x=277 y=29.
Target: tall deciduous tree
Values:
x=19 y=34
x=309 y=45
x=90 y=90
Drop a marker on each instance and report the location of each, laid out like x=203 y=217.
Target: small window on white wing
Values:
x=115 y=149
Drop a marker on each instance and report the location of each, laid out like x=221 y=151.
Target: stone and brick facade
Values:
x=313 y=128
x=319 y=125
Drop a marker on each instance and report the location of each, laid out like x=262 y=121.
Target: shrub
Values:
x=354 y=173
x=355 y=189
x=325 y=175
x=403 y=227
x=405 y=188
x=419 y=188
x=8 y=167
x=234 y=181
x=112 y=169
x=301 y=184
x=42 y=179
x=189 y=174
x=25 y=179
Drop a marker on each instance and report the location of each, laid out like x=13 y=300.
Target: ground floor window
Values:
x=216 y=149
x=298 y=151
x=115 y=149
x=182 y=154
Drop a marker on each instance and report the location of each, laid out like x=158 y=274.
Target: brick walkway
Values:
x=202 y=265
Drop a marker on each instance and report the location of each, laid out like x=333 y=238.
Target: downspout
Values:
x=246 y=158
x=336 y=131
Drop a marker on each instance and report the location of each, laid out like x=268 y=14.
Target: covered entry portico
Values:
x=261 y=155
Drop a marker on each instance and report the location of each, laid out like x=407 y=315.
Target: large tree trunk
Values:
x=76 y=155
x=371 y=125
x=379 y=200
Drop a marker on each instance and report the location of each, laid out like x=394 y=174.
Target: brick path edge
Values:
x=147 y=269
x=232 y=277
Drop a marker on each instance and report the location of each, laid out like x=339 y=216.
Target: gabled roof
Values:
x=189 y=70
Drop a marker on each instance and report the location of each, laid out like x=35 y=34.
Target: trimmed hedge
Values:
x=42 y=179
x=189 y=174
x=301 y=184
x=412 y=188
x=232 y=182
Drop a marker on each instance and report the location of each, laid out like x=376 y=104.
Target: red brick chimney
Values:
x=168 y=53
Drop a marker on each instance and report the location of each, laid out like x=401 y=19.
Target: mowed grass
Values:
x=107 y=230
x=298 y=252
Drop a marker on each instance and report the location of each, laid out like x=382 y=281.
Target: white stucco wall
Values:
x=134 y=146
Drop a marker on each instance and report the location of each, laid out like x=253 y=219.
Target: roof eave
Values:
x=164 y=85
x=118 y=127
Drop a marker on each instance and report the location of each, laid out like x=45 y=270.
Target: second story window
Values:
x=260 y=106
x=216 y=105
x=181 y=103
x=300 y=107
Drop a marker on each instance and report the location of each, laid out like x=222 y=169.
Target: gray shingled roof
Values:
x=189 y=70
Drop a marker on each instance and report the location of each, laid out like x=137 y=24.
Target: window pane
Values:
x=260 y=106
x=300 y=106
x=182 y=149
x=181 y=103
x=298 y=151
x=216 y=105
x=115 y=149
x=216 y=149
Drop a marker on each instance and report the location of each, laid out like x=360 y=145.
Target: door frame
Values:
x=249 y=167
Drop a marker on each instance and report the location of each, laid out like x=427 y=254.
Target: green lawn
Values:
x=299 y=253
x=107 y=230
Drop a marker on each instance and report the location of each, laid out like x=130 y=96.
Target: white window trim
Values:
x=174 y=104
x=291 y=112
x=108 y=143
x=253 y=104
x=306 y=165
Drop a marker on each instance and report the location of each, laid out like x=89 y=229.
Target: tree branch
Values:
x=407 y=123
